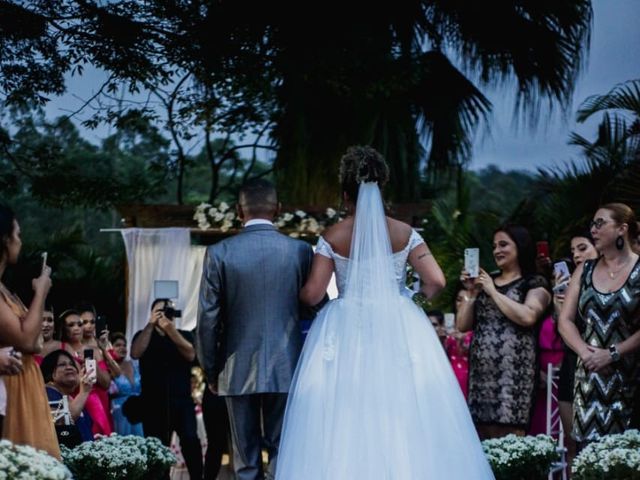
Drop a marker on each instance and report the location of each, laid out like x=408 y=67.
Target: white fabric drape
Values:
x=161 y=254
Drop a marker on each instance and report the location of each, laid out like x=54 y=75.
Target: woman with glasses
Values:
x=27 y=420
x=72 y=343
x=63 y=377
x=605 y=292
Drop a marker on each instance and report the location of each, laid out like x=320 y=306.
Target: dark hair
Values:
x=581 y=233
x=258 y=197
x=438 y=314
x=361 y=164
x=115 y=336
x=158 y=300
x=623 y=213
x=85 y=307
x=7 y=226
x=63 y=324
x=524 y=244
x=50 y=361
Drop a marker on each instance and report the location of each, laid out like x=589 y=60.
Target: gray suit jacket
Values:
x=248 y=334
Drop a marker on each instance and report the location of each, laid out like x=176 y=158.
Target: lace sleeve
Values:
x=415 y=239
x=323 y=248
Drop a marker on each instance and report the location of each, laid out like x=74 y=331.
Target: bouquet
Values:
x=21 y=462
x=521 y=458
x=613 y=457
x=119 y=457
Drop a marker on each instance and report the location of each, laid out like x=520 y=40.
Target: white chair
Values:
x=554 y=424
x=60 y=410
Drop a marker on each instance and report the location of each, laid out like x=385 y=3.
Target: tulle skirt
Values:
x=374 y=397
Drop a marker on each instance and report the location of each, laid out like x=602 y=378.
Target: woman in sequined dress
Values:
x=606 y=293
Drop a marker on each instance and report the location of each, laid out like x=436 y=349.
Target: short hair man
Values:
x=248 y=333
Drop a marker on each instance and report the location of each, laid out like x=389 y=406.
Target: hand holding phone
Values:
x=90 y=364
x=561 y=270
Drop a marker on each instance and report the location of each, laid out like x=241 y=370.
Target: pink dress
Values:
x=551 y=351
x=458 y=353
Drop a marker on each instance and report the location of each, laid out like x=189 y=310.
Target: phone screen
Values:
x=44 y=260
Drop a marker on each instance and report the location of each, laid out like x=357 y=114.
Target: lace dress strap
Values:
x=323 y=248
x=414 y=240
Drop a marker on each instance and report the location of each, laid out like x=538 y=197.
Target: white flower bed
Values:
x=20 y=462
x=613 y=457
x=514 y=458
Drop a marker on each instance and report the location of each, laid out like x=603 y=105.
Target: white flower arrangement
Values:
x=298 y=223
x=21 y=462
x=614 y=457
x=119 y=457
x=521 y=458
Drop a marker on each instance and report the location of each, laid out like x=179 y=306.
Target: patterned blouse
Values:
x=502 y=360
x=603 y=401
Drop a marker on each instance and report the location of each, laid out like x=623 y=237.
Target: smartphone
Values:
x=44 y=260
x=101 y=324
x=449 y=322
x=561 y=270
x=542 y=248
x=472 y=261
x=90 y=362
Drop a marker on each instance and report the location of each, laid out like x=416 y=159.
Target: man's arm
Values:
x=184 y=346
x=209 y=317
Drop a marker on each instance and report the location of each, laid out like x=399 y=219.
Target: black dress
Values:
x=603 y=402
x=502 y=360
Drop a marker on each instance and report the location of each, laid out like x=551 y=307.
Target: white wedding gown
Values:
x=374 y=396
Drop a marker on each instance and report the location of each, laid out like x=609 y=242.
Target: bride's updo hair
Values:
x=361 y=164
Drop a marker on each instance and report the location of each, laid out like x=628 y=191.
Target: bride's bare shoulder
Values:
x=339 y=235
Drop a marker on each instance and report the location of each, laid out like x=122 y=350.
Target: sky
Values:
x=614 y=57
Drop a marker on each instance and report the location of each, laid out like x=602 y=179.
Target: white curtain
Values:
x=161 y=254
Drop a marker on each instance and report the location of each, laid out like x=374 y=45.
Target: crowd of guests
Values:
x=510 y=324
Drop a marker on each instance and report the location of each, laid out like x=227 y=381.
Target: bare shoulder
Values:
x=399 y=232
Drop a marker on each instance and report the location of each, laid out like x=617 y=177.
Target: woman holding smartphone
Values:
x=28 y=419
x=503 y=310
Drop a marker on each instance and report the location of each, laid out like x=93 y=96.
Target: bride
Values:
x=374 y=396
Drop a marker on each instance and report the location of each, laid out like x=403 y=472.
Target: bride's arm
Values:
x=427 y=268
x=316 y=287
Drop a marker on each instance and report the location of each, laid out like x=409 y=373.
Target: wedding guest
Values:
x=550 y=352
x=457 y=347
x=27 y=419
x=72 y=343
x=63 y=377
x=582 y=249
x=436 y=317
x=166 y=356
x=503 y=310
x=606 y=292
x=50 y=334
x=126 y=384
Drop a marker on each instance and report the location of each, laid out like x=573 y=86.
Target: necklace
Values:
x=614 y=273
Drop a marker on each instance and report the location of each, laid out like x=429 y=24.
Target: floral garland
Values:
x=614 y=457
x=21 y=462
x=298 y=223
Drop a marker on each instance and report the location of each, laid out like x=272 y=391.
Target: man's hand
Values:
x=165 y=324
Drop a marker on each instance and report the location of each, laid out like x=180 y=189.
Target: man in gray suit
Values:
x=248 y=332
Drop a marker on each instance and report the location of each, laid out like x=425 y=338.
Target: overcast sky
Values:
x=614 y=57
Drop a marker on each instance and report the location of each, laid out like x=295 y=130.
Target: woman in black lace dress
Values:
x=606 y=294
x=503 y=310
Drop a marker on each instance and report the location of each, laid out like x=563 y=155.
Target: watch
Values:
x=613 y=351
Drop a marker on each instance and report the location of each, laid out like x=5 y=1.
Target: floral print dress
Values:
x=502 y=360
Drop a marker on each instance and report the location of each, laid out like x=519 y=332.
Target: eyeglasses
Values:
x=597 y=223
x=77 y=323
x=86 y=321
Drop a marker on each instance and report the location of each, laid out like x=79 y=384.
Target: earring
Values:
x=619 y=242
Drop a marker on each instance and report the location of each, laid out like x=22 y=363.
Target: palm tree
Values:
x=608 y=172
x=383 y=75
